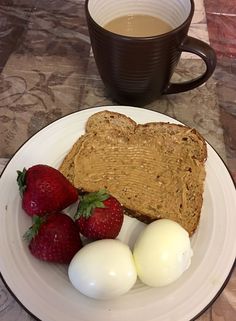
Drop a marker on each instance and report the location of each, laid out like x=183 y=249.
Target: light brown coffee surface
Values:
x=138 y=25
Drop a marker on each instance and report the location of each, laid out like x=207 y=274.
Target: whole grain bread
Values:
x=155 y=170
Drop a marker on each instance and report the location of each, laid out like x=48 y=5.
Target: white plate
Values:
x=44 y=289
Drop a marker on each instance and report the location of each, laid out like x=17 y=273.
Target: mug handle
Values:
x=208 y=55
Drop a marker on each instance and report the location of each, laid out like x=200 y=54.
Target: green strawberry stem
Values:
x=33 y=230
x=90 y=201
x=21 y=181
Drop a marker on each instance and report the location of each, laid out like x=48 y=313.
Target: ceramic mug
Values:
x=137 y=70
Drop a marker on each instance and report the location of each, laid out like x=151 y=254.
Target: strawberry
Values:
x=45 y=190
x=53 y=238
x=99 y=216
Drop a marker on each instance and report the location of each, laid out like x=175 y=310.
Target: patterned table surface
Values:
x=48 y=71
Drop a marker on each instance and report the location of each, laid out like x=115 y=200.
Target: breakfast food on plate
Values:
x=155 y=170
x=162 y=253
x=53 y=238
x=103 y=269
x=45 y=190
x=99 y=216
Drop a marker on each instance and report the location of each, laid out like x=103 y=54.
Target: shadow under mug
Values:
x=137 y=70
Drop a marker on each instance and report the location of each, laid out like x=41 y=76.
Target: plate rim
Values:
x=117 y=106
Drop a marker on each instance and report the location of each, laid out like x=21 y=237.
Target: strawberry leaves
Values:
x=89 y=202
x=34 y=229
x=21 y=181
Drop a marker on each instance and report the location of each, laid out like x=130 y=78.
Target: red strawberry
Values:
x=99 y=216
x=45 y=190
x=53 y=238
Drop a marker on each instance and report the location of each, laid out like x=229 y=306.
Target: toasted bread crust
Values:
x=103 y=121
x=156 y=170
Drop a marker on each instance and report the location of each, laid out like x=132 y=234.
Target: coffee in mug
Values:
x=137 y=68
x=139 y=25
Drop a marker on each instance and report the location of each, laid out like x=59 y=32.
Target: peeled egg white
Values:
x=162 y=253
x=103 y=269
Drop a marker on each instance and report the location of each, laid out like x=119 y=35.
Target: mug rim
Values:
x=143 y=38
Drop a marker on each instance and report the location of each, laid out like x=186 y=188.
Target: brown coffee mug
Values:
x=137 y=69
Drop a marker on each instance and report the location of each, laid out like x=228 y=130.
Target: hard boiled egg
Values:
x=103 y=269
x=162 y=253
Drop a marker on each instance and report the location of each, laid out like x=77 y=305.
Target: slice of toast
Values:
x=155 y=170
